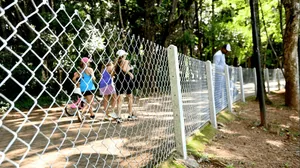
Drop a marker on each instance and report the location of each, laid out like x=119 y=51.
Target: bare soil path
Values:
x=242 y=143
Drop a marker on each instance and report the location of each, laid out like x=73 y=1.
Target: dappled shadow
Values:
x=50 y=138
x=243 y=143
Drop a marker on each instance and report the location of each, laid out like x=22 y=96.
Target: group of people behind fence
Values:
x=115 y=79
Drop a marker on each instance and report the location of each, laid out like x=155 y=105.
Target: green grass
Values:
x=250 y=98
x=171 y=163
x=196 y=143
x=225 y=117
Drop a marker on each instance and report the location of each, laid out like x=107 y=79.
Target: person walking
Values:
x=87 y=87
x=220 y=83
x=107 y=89
x=124 y=82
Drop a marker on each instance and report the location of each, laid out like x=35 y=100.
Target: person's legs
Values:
x=105 y=103
x=130 y=102
x=113 y=100
x=89 y=100
x=88 y=106
x=119 y=104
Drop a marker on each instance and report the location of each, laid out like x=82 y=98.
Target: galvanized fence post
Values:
x=278 y=77
x=228 y=91
x=177 y=101
x=242 y=84
x=267 y=78
x=255 y=81
x=212 y=107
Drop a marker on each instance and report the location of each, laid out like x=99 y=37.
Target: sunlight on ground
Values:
x=107 y=146
x=294 y=118
x=244 y=137
x=225 y=153
x=284 y=126
x=275 y=143
x=227 y=131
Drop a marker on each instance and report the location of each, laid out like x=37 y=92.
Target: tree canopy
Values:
x=197 y=27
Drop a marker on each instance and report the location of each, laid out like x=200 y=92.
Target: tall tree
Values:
x=256 y=49
x=290 y=42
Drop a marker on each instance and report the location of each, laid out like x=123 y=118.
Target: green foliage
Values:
x=230 y=24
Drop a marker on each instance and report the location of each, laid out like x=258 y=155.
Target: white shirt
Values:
x=219 y=61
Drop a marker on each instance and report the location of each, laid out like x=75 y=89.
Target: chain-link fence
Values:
x=79 y=94
x=46 y=58
x=220 y=92
x=274 y=79
x=194 y=93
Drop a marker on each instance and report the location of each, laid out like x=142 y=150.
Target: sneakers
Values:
x=119 y=120
x=92 y=116
x=132 y=117
x=108 y=118
x=113 y=115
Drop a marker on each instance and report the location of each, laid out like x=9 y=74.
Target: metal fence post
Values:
x=278 y=77
x=212 y=107
x=255 y=81
x=228 y=88
x=267 y=78
x=177 y=101
x=242 y=84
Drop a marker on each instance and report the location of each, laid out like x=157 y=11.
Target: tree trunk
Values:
x=120 y=14
x=171 y=26
x=212 y=31
x=262 y=59
x=199 y=34
x=149 y=30
x=290 y=52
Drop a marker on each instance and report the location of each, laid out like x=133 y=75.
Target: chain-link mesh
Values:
x=194 y=93
x=234 y=84
x=219 y=85
x=273 y=79
x=276 y=79
x=248 y=79
x=70 y=97
x=42 y=61
x=280 y=79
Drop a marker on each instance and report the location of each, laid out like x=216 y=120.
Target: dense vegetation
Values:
x=197 y=27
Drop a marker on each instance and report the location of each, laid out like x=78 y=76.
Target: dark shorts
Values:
x=124 y=84
x=88 y=92
x=123 y=89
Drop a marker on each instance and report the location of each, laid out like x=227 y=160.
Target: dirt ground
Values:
x=243 y=143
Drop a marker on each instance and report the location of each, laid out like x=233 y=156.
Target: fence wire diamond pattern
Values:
x=46 y=122
x=47 y=59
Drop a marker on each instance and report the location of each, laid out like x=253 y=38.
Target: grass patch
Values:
x=225 y=117
x=250 y=98
x=171 y=163
x=196 y=143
